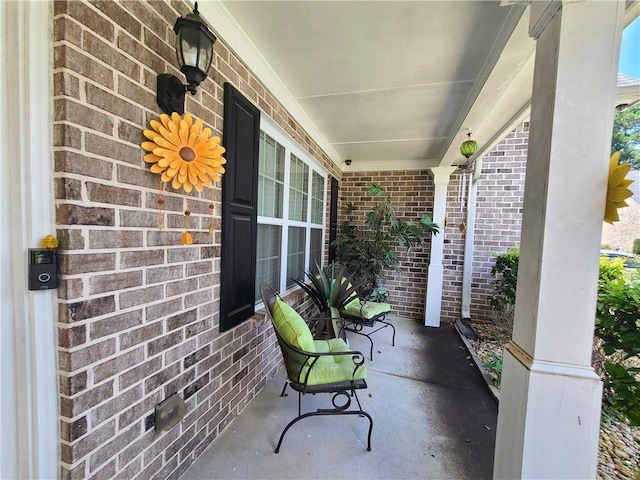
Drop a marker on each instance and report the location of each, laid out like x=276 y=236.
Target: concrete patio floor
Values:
x=434 y=418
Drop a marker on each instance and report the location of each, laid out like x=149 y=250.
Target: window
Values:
x=291 y=210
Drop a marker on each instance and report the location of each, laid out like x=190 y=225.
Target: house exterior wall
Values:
x=138 y=313
x=498 y=225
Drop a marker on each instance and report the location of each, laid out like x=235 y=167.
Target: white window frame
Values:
x=269 y=127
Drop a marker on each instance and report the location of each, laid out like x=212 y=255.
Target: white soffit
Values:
x=504 y=99
x=388 y=84
x=219 y=18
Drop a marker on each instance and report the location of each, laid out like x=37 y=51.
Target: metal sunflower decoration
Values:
x=187 y=156
x=617 y=188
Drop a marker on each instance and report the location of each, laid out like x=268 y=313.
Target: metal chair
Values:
x=315 y=366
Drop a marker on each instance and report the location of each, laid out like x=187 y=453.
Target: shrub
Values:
x=505 y=272
x=618 y=327
x=636 y=246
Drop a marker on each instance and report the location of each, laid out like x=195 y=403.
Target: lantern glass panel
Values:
x=187 y=47
x=206 y=52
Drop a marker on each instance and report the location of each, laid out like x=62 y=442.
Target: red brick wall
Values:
x=138 y=313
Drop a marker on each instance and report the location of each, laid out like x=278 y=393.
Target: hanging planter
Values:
x=468 y=147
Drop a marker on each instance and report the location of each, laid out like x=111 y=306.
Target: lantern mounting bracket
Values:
x=170 y=93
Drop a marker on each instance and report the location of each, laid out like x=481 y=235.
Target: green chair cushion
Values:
x=332 y=369
x=368 y=310
x=292 y=326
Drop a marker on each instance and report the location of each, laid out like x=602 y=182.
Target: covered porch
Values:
x=434 y=418
x=137 y=315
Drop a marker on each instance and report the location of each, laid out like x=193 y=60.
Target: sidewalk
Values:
x=434 y=418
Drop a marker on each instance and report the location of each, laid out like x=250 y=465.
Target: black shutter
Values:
x=333 y=218
x=239 y=209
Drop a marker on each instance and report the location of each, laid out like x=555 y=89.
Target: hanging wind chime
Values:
x=187 y=156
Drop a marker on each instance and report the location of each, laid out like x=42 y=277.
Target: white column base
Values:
x=549 y=420
x=433 y=307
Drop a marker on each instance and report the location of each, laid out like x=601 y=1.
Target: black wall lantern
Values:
x=194 y=47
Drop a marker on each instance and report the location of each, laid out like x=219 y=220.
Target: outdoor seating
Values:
x=335 y=293
x=358 y=314
x=315 y=366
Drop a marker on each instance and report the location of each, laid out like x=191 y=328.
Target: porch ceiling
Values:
x=394 y=84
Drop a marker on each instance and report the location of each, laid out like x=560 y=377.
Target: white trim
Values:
x=233 y=35
x=433 y=307
x=29 y=412
x=270 y=128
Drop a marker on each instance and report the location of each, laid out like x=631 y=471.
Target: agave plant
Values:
x=330 y=287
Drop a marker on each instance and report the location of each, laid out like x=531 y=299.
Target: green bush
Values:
x=505 y=272
x=618 y=326
x=636 y=246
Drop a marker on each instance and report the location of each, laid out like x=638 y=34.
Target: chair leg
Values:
x=325 y=412
x=284 y=388
x=393 y=337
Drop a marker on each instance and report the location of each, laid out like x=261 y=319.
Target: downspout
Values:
x=467 y=265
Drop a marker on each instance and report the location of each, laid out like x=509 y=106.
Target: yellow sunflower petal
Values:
x=614 y=160
x=165 y=162
x=149 y=146
x=150 y=134
x=184 y=133
x=198 y=125
x=172 y=172
x=175 y=164
x=165 y=177
x=151 y=158
x=618 y=174
x=187 y=186
x=189 y=119
x=155 y=168
x=198 y=186
x=619 y=194
x=611 y=213
x=175 y=183
x=183 y=168
x=176 y=118
x=164 y=118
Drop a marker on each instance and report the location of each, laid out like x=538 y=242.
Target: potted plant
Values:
x=329 y=289
x=370 y=249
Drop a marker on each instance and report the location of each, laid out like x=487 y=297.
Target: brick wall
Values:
x=138 y=313
x=411 y=193
x=498 y=224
